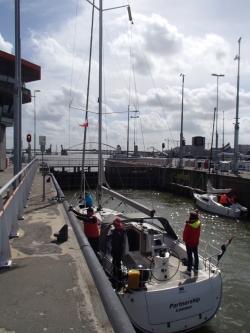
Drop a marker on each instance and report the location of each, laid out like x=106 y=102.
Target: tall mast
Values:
x=87 y=104
x=211 y=150
x=181 y=134
x=100 y=160
x=236 y=127
x=100 y=163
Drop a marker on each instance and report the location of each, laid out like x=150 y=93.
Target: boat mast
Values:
x=210 y=159
x=87 y=106
x=100 y=163
x=100 y=160
x=236 y=127
x=181 y=134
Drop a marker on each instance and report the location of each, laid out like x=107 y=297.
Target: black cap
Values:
x=193 y=216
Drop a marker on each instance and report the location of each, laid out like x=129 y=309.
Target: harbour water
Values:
x=234 y=314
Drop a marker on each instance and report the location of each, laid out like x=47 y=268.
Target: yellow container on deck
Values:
x=133 y=279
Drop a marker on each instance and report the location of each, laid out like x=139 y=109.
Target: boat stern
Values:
x=189 y=305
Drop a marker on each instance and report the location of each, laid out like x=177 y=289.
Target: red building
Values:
x=29 y=73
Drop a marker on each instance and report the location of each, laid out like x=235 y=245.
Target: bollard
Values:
x=62 y=235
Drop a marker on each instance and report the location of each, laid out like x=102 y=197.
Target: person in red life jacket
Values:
x=224 y=200
x=191 y=237
x=233 y=199
x=117 y=243
x=91 y=228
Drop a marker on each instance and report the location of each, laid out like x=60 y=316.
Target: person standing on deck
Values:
x=91 y=228
x=117 y=244
x=191 y=237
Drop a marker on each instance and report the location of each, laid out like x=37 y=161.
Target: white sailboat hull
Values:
x=167 y=300
x=171 y=308
x=209 y=202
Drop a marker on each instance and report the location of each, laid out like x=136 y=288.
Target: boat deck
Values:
x=175 y=274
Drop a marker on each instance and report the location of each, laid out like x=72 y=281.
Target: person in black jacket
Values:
x=117 y=243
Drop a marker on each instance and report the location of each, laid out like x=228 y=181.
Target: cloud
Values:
x=141 y=68
x=5 y=46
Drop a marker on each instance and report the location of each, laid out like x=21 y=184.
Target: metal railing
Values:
x=68 y=162
x=208 y=253
x=115 y=274
x=13 y=200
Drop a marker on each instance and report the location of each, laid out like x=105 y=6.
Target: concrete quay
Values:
x=48 y=287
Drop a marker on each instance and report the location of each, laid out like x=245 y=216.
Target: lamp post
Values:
x=35 y=121
x=236 y=128
x=134 y=117
x=216 y=118
x=181 y=134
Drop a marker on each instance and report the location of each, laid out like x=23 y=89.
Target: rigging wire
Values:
x=104 y=95
x=72 y=95
x=138 y=108
x=73 y=56
x=136 y=102
x=154 y=83
x=87 y=104
x=80 y=74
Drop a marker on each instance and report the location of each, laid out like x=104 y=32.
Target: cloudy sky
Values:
x=141 y=69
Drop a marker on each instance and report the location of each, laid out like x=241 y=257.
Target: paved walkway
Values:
x=48 y=287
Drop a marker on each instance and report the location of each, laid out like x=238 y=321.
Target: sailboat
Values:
x=154 y=291
x=210 y=201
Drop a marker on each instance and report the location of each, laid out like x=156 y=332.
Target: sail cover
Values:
x=210 y=189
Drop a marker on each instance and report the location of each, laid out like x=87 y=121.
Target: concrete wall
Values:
x=181 y=181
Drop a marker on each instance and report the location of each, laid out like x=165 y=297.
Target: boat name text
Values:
x=179 y=306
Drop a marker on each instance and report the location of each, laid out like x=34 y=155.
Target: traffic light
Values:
x=183 y=142
x=28 y=137
x=163 y=145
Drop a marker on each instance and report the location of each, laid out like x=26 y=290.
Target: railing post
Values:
x=13 y=209
x=5 y=253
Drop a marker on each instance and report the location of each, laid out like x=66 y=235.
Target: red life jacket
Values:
x=223 y=199
x=233 y=199
x=91 y=229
